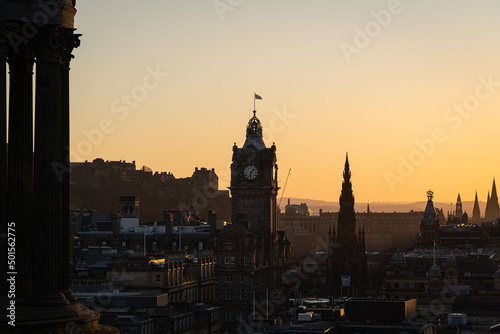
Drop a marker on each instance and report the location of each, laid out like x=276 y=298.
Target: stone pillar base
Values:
x=73 y=318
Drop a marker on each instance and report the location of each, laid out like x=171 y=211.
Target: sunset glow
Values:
x=411 y=89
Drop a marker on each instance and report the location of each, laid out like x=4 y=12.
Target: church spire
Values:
x=476 y=212
x=494 y=191
x=458 y=210
x=492 y=208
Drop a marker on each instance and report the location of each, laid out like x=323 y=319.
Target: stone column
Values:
x=20 y=162
x=49 y=277
x=69 y=42
x=3 y=159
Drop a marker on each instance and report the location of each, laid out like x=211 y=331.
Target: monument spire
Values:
x=346 y=230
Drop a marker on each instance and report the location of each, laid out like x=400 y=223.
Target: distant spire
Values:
x=459 y=212
x=368 y=207
x=346 y=230
x=476 y=212
x=347 y=172
x=494 y=190
x=492 y=207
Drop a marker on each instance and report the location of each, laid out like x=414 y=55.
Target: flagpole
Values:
x=253 y=100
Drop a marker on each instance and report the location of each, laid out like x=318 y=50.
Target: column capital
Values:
x=3 y=41
x=69 y=41
x=48 y=45
x=7 y=31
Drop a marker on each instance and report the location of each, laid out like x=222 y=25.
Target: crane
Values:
x=286 y=181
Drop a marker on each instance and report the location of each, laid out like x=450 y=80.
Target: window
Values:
x=242 y=278
x=396 y=285
x=229 y=278
x=226 y=260
x=242 y=294
x=231 y=260
x=200 y=245
x=104 y=243
x=228 y=316
x=154 y=245
x=124 y=244
x=229 y=294
x=157 y=278
x=174 y=245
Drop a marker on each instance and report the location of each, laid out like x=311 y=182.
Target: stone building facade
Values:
x=252 y=255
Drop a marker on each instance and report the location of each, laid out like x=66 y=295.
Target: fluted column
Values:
x=49 y=277
x=3 y=159
x=20 y=162
x=69 y=42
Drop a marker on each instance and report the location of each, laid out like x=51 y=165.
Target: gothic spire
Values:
x=494 y=197
x=494 y=209
x=346 y=230
x=476 y=212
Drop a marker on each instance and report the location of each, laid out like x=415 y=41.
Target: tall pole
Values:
x=144 y=241
x=254 y=305
x=267 y=303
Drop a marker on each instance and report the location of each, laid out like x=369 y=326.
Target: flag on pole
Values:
x=257 y=96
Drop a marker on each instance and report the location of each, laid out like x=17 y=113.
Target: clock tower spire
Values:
x=254 y=187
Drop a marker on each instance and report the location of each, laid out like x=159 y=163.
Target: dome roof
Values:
x=429 y=209
x=254 y=134
x=435 y=267
x=398 y=258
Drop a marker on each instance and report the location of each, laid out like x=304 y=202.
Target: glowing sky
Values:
x=327 y=88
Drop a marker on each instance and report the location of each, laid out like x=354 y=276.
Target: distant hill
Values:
x=315 y=205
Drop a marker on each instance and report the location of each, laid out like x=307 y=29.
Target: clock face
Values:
x=250 y=172
x=451 y=273
x=435 y=284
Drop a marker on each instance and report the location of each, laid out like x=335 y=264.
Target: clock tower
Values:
x=254 y=184
x=252 y=255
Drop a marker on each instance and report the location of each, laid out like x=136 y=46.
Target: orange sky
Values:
x=410 y=89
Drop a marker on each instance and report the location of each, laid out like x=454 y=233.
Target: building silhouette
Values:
x=429 y=226
x=458 y=216
x=492 y=209
x=346 y=249
x=252 y=255
x=476 y=212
